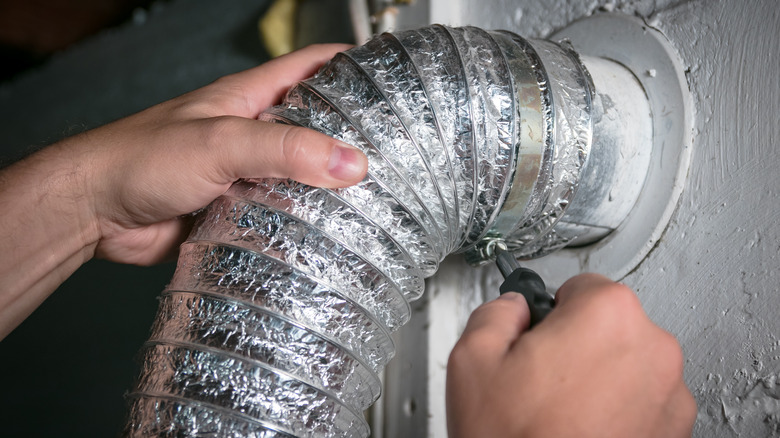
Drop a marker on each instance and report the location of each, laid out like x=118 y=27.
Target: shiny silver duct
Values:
x=277 y=321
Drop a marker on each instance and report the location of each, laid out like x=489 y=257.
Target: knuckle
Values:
x=186 y=107
x=622 y=296
x=223 y=81
x=215 y=152
x=293 y=144
x=225 y=95
x=467 y=343
x=198 y=104
x=214 y=131
x=233 y=96
x=460 y=355
x=474 y=343
x=688 y=408
x=472 y=353
x=670 y=352
x=617 y=303
x=614 y=312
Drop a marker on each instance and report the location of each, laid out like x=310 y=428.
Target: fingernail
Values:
x=346 y=163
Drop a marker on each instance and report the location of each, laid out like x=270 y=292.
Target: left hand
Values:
x=122 y=191
x=176 y=157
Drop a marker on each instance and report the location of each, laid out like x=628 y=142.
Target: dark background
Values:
x=68 y=66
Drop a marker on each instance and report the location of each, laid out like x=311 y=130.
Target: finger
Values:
x=495 y=325
x=266 y=84
x=266 y=150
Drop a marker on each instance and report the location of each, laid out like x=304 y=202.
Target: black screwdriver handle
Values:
x=525 y=282
x=531 y=286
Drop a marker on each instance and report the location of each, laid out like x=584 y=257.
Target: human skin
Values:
x=597 y=366
x=124 y=191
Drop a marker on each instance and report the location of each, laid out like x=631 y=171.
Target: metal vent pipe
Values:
x=277 y=321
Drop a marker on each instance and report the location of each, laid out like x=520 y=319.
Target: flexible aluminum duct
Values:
x=277 y=321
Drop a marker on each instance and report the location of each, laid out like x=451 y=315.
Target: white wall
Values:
x=712 y=280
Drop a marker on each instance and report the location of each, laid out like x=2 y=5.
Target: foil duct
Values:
x=277 y=321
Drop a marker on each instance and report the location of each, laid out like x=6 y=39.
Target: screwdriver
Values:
x=524 y=281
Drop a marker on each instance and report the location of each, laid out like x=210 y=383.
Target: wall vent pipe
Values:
x=277 y=320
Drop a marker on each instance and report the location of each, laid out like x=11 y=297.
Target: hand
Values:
x=595 y=367
x=176 y=157
x=122 y=191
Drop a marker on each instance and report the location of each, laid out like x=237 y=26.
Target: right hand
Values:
x=597 y=366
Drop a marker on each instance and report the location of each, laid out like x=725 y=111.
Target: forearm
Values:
x=47 y=226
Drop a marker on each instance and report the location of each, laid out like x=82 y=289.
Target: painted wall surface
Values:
x=713 y=279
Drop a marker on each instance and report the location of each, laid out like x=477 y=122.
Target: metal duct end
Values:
x=556 y=114
x=583 y=157
x=640 y=154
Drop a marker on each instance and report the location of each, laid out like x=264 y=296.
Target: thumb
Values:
x=271 y=150
x=495 y=325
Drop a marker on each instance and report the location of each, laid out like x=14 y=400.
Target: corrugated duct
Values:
x=277 y=321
